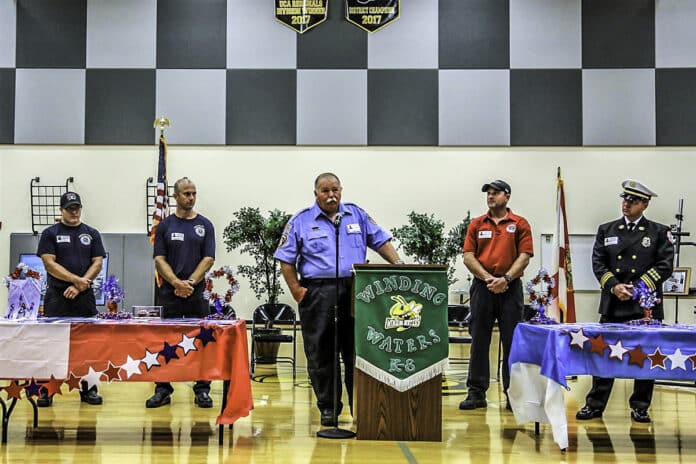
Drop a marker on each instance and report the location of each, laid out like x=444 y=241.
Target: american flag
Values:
x=162 y=197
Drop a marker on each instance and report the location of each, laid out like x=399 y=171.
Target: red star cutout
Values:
x=598 y=345
x=637 y=356
x=14 y=390
x=693 y=362
x=73 y=382
x=53 y=386
x=657 y=359
x=112 y=373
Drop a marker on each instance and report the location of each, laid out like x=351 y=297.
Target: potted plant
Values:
x=258 y=236
x=424 y=240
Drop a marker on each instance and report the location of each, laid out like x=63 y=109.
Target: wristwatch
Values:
x=507 y=278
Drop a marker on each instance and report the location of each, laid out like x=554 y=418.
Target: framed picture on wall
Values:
x=678 y=283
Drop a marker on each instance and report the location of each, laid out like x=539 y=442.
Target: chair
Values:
x=458 y=320
x=266 y=334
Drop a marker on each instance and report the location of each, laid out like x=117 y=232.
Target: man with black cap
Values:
x=627 y=251
x=497 y=249
x=72 y=253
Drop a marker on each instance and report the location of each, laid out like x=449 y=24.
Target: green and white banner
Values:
x=401 y=334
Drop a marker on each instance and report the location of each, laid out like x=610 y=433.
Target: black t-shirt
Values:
x=73 y=247
x=184 y=243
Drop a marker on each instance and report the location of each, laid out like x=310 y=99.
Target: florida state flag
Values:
x=562 y=307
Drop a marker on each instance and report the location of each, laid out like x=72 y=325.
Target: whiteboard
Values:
x=580 y=256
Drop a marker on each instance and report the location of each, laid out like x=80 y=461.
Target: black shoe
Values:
x=328 y=419
x=203 y=400
x=44 y=400
x=473 y=402
x=160 y=398
x=587 y=413
x=640 y=415
x=508 y=406
x=90 y=397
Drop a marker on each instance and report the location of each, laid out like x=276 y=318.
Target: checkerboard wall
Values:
x=447 y=72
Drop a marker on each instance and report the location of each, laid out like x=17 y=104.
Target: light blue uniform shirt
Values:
x=309 y=241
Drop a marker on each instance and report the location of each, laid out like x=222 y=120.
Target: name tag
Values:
x=485 y=234
x=177 y=236
x=353 y=228
x=611 y=241
x=62 y=239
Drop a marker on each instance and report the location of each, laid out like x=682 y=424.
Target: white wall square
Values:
x=121 y=34
x=618 y=106
x=675 y=33
x=332 y=107
x=194 y=102
x=50 y=106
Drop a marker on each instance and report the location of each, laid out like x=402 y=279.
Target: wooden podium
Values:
x=383 y=413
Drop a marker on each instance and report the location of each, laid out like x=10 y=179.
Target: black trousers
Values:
x=174 y=307
x=486 y=309
x=598 y=396
x=316 y=314
x=56 y=305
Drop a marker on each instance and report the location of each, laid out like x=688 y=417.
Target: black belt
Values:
x=327 y=281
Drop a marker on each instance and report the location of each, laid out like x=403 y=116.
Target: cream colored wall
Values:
x=387 y=182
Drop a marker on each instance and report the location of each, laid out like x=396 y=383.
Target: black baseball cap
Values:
x=499 y=185
x=69 y=199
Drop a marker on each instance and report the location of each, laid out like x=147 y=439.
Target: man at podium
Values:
x=308 y=246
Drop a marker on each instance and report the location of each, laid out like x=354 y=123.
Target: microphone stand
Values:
x=336 y=432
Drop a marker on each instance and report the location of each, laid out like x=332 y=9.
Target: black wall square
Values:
x=191 y=34
x=261 y=107
x=120 y=106
x=7 y=105
x=51 y=34
x=546 y=107
x=474 y=34
x=675 y=99
x=618 y=34
x=402 y=107
x=333 y=44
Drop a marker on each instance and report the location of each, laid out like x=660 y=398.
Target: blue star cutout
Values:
x=32 y=388
x=169 y=352
x=206 y=335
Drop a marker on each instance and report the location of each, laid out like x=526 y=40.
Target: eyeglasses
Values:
x=633 y=201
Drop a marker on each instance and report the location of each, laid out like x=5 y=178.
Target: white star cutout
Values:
x=617 y=351
x=678 y=359
x=187 y=343
x=150 y=359
x=92 y=378
x=132 y=367
x=578 y=338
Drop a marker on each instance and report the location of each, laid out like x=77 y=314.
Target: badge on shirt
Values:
x=199 y=229
x=485 y=234
x=646 y=242
x=85 y=239
x=611 y=241
x=62 y=239
x=353 y=228
x=177 y=236
x=511 y=228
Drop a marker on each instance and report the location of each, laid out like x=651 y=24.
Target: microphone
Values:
x=337 y=219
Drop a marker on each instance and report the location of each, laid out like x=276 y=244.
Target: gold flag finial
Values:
x=161 y=122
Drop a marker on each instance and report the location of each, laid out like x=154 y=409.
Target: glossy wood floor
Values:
x=283 y=425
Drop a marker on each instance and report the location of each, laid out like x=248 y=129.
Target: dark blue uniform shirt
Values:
x=73 y=247
x=184 y=243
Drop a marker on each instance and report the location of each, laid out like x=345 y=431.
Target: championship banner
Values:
x=372 y=15
x=301 y=15
x=401 y=334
